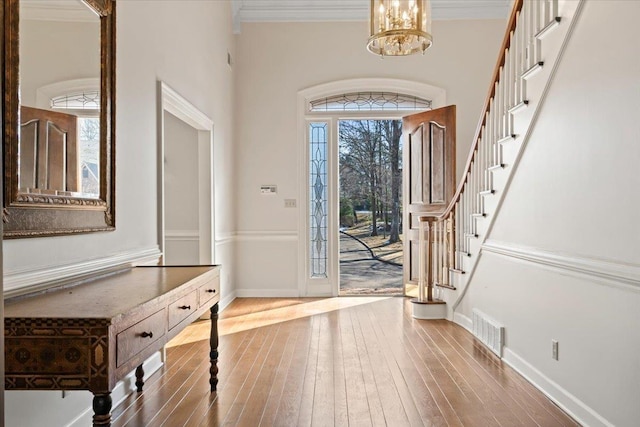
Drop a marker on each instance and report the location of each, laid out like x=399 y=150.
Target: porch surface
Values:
x=340 y=361
x=362 y=274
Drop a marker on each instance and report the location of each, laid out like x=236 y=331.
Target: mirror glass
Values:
x=59 y=89
x=59 y=102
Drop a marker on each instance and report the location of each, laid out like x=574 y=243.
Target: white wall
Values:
x=274 y=62
x=181 y=192
x=51 y=52
x=571 y=212
x=185 y=44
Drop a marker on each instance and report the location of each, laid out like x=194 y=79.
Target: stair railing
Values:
x=447 y=237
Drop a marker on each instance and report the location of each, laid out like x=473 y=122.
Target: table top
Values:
x=109 y=296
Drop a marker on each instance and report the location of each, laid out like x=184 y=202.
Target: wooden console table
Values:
x=91 y=335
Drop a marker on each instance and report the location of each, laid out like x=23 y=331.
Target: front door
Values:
x=429 y=175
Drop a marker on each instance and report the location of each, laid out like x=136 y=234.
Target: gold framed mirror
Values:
x=58 y=59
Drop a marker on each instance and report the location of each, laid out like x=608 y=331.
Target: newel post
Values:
x=425 y=243
x=425 y=307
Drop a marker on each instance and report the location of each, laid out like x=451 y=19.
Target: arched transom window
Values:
x=370 y=101
x=82 y=100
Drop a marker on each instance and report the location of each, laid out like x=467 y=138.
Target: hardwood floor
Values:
x=342 y=361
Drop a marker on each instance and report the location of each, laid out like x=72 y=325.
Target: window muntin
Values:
x=370 y=101
x=83 y=100
x=318 y=199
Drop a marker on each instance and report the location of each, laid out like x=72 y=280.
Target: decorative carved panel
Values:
x=53 y=354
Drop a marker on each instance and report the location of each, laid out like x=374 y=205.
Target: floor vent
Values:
x=488 y=331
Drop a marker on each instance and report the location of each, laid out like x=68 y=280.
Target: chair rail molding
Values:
x=286 y=235
x=224 y=238
x=182 y=235
x=23 y=281
x=599 y=270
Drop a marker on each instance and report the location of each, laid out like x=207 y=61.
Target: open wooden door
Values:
x=429 y=177
x=48 y=151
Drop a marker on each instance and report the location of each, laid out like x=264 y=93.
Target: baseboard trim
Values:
x=607 y=272
x=463 y=321
x=122 y=390
x=569 y=403
x=574 y=407
x=224 y=302
x=267 y=293
x=25 y=281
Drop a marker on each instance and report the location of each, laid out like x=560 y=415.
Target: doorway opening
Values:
x=370 y=220
x=185 y=181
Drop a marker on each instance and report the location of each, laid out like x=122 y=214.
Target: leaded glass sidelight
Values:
x=318 y=199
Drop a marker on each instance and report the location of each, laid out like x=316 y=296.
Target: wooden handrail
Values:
x=448 y=234
x=506 y=44
x=442 y=233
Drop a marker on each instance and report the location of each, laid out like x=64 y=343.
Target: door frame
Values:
x=308 y=286
x=172 y=102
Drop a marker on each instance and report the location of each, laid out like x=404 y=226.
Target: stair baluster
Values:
x=446 y=239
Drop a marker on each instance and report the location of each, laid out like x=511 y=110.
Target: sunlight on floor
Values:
x=199 y=331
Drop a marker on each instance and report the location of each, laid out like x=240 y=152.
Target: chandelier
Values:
x=400 y=27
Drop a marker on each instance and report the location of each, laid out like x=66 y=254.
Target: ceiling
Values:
x=355 y=10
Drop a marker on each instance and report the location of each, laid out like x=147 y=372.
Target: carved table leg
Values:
x=102 y=409
x=213 y=355
x=139 y=378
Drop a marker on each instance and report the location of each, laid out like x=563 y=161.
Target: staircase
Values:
x=536 y=35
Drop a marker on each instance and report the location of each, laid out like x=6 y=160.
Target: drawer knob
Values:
x=185 y=307
x=147 y=334
x=211 y=291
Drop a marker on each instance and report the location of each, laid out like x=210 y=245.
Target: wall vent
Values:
x=488 y=331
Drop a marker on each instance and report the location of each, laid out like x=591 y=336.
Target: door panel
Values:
x=429 y=176
x=51 y=153
x=437 y=164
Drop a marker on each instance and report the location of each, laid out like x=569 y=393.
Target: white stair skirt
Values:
x=429 y=310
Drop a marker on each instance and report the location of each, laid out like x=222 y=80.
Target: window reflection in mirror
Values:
x=59 y=95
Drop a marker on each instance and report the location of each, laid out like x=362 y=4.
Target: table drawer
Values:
x=182 y=308
x=136 y=338
x=209 y=291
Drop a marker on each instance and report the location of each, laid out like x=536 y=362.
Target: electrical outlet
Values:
x=289 y=203
x=554 y=349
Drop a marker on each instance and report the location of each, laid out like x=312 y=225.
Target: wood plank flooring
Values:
x=335 y=362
